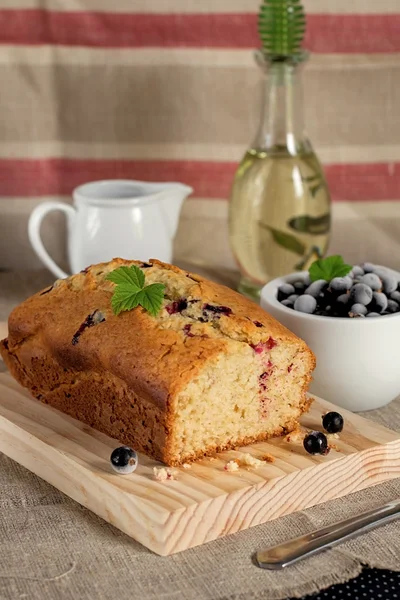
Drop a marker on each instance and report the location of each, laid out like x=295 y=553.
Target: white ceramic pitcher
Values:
x=129 y=219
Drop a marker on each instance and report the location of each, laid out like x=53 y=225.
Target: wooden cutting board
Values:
x=206 y=501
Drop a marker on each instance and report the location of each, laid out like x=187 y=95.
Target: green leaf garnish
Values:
x=131 y=291
x=130 y=275
x=124 y=298
x=328 y=268
x=151 y=297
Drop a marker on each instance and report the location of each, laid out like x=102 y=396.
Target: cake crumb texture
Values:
x=231 y=466
x=268 y=458
x=212 y=371
x=164 y=474
x=296 y=436
x=248 y=460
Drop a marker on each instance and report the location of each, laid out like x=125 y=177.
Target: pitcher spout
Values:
x=172 y=199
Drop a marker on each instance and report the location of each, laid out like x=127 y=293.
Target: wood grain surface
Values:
x=205 y=501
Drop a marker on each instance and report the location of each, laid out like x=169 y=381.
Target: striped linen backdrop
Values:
x=167 y=90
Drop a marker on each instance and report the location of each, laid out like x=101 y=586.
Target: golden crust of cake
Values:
x=122 y=374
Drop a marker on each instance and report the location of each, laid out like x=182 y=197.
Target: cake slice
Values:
x=211 y=370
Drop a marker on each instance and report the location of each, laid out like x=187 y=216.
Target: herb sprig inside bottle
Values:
x=131 y=291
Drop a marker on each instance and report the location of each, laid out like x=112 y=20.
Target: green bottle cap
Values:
x=281 y=27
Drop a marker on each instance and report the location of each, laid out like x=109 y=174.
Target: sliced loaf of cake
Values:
x=211 y=370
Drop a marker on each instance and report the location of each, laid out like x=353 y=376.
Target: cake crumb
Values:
x=333 y=447
x=332 y=436
x=268 y=458
x=164 y=474
x=186 y=466
x=231 y=466
x=296 y=436
x=250 y=461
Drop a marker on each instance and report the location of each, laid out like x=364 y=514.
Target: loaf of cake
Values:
x=210 y=371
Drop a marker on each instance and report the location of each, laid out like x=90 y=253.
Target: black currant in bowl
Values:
x=355 y=292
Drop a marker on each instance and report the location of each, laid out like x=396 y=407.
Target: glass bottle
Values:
x=279 y=214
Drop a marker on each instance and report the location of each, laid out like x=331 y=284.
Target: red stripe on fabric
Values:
x=24 y=177
x=357 y=182
x=353 y=34
x=325 y=33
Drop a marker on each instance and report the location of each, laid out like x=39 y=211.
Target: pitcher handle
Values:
x=34 y=224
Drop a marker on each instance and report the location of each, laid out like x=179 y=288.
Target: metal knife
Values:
x=296 y=549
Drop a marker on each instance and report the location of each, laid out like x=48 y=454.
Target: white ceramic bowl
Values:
x=358 y=360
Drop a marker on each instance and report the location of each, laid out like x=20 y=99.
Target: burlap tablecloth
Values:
x=51 y=548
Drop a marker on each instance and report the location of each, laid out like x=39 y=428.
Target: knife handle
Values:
x=296 y=549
